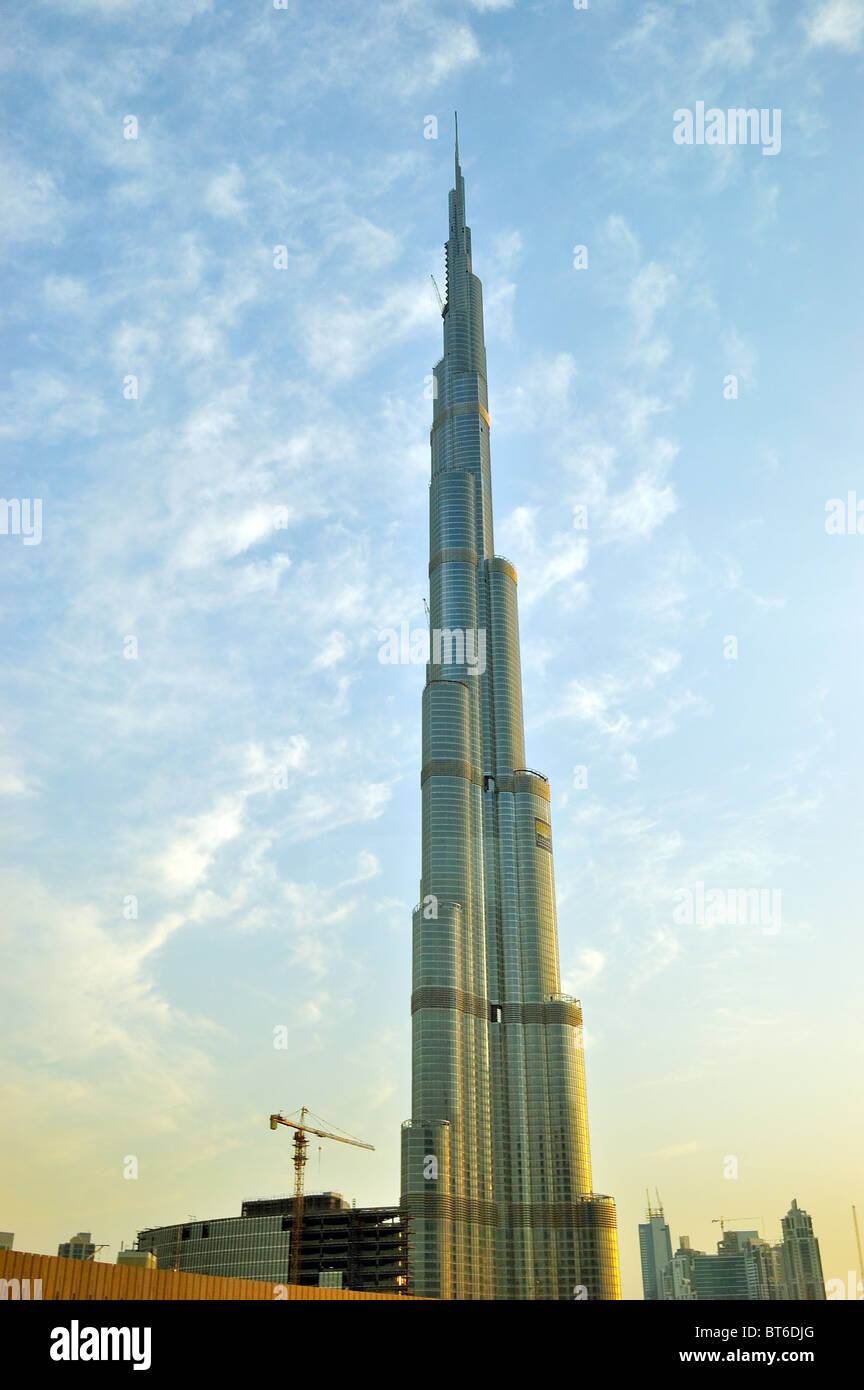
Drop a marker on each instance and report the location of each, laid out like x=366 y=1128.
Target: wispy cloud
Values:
x=836 y=24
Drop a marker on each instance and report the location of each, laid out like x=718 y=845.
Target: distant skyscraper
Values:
x=802 y=1264
x=745 y=1267
x=655 y=1250
x=496 y=1169
x=766 y=1270
x=78 y=1247
x=693 y=1274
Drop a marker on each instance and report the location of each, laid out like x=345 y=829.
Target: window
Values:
x=495 y=1013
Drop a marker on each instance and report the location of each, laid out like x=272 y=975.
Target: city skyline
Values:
x=208 y=765
x=788 y=1269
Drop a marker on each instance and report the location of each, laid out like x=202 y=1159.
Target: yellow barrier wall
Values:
x=84 y=1279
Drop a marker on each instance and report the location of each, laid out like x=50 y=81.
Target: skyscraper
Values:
x=78 y=1247
x=655 y=1251
x=802 y=1264
x=496 y=1170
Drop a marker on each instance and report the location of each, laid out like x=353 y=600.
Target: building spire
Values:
x=459 y=238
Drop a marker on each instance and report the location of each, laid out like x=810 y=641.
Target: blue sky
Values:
x=258 y=515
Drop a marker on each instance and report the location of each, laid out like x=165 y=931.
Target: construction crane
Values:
x=858 y=1242
x=438 y=293
x=300 y=1145
x=723 y=1220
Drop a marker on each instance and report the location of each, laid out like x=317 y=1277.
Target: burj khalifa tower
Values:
x=496 y=1168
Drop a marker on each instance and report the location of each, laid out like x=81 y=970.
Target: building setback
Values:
x=496 y=1170
x=365 y=1246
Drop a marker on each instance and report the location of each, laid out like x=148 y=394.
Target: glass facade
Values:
x=655 y=1252
x=237 y=1247
x=496 y=1171
x=363 y=1247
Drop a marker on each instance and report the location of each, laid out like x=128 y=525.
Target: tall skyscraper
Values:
x=802 y=1264
x=655 y=1251
x=496 y=1171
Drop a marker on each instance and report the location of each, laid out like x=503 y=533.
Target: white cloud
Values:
x=223 y=193
x=45 y=405
x=165 y=11
x=614 y=705
x=740 y=357
x=690 y=1146
x=640 y=509
x=12 y=783
x=541 y=394
x=188 y=858
x=334 y=650
x=499 y=295
x=66 y=293
x=658 y=952
x=81 y=991
x=320 y=813
x=517 y=533
x=618 y=234
x=564 y=556
x=32 y=208
x=370 y=246
x=735 y=49
x=343 y=337
x=587 y=966
x=454 y=49
x=837 y=24
x=651 y=25
x=648 y=294
x=368 y=867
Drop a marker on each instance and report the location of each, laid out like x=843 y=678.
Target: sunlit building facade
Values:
x=496 y=1171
